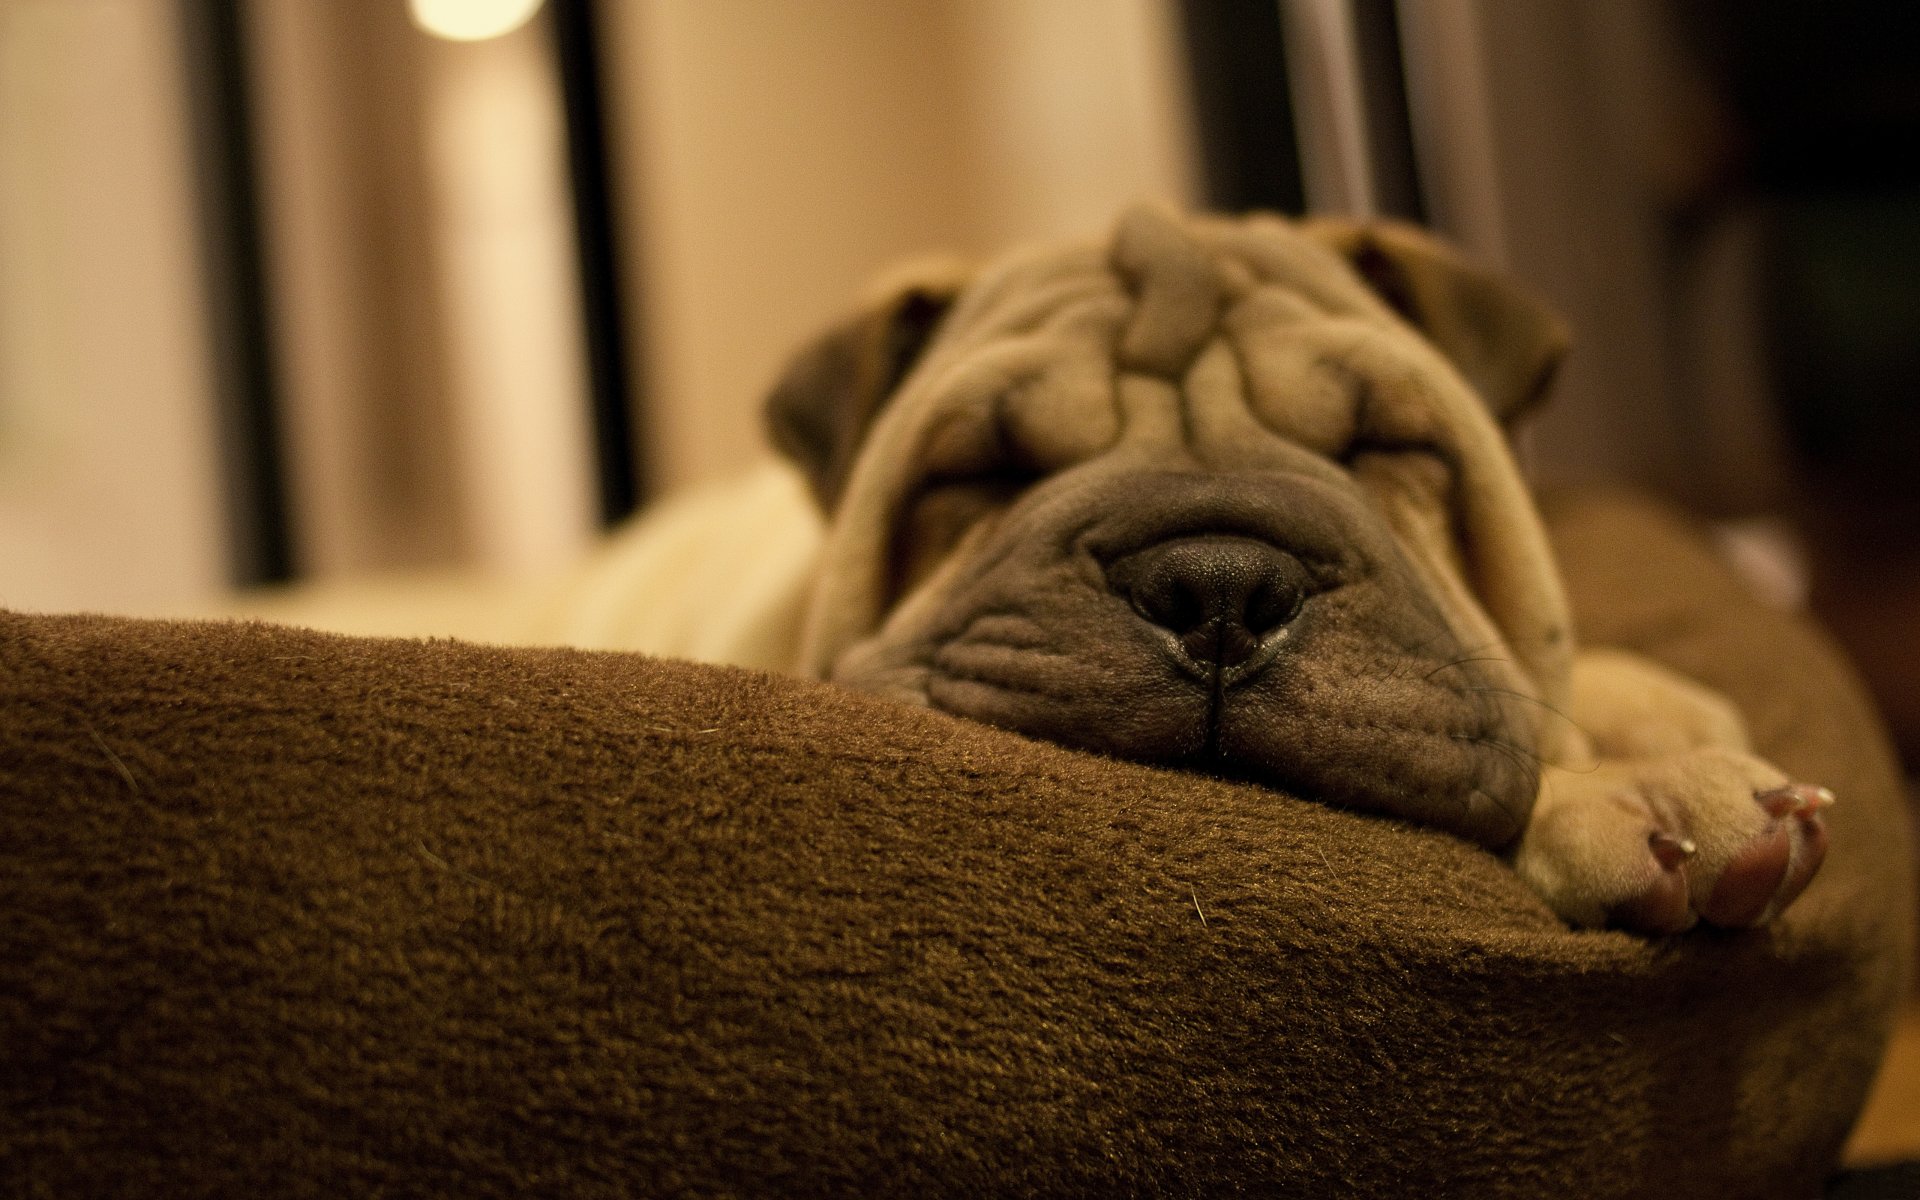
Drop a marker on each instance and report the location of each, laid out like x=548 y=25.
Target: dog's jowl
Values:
x=1236 y=496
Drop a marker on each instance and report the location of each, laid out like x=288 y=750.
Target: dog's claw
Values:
x=1794 y=799
x=1669 y=850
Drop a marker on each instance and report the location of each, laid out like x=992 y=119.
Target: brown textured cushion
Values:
x=285 y=913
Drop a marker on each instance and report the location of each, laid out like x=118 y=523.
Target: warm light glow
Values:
x=471 y=20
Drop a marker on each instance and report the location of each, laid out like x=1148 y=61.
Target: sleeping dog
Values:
x=1235 y=496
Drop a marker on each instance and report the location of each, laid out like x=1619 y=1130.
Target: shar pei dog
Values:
x=1236 y=496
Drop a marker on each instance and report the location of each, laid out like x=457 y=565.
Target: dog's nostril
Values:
x=1218 y=594
x=1172 y=601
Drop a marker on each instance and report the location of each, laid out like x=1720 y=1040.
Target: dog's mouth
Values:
x=1314 y=711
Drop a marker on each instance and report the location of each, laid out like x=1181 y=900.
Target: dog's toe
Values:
x=1761 y=879
x=1662 y=904
x=1764 y=846
x=1748 y=882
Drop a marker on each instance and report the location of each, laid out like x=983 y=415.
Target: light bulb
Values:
x=471 y=20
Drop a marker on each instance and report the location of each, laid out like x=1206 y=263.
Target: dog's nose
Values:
x=1218 y=594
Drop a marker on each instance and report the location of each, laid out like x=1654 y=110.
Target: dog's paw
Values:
x=1656 y=845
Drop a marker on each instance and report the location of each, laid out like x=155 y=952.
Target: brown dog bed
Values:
x=284 y=913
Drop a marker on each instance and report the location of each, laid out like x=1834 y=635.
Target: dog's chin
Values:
x=1332 y=715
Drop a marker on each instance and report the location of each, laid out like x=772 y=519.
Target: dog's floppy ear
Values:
x=832 y=390
x=1506 y=342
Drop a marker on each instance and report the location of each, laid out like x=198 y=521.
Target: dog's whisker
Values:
x=1461 y=662
x=1526 y=759
x=1517 y=694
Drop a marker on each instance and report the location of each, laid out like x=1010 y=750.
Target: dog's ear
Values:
x=832 y=390
x=1506 y=342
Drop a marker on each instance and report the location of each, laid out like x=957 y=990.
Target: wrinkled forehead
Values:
x=1208 y=331
x=1194 y=263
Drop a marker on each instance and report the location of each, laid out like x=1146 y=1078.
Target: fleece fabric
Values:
x=295 y=914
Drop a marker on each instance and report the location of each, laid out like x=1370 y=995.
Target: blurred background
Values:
x=318 y=289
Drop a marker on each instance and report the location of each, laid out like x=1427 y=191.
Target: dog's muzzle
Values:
x=1255 y=624
x=1221 y=603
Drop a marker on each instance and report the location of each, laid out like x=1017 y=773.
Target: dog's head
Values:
x=1224 y=494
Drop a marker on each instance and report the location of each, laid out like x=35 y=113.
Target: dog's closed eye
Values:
x=940 y=515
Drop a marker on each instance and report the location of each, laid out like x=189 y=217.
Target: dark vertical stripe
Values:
x=1237 y=64
x=1383 y=83
x=246 y=392
x=610 y=368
